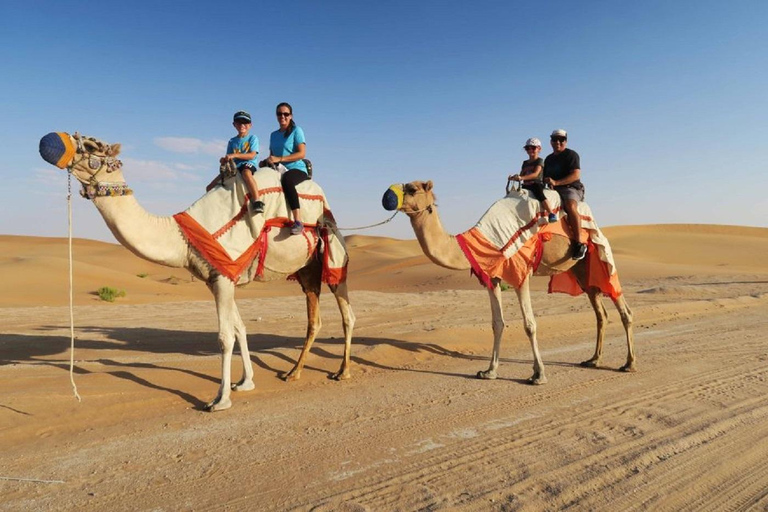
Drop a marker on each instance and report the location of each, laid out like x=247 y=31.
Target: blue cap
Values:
x=242 y=115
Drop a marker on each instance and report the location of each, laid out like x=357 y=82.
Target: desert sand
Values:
x=413 y=429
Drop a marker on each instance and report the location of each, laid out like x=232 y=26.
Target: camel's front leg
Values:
x=602 y=316
x=348 y=321
x=313 y=326
x=224 y=292
x=626 y=320
x=529 y=323
x=497 y=323
x=246 y=382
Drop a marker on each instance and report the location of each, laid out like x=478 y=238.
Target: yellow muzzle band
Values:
x=398 y=191
x=69 y=150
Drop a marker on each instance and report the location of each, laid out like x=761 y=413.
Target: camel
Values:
x=160 y=240
x=417 y=201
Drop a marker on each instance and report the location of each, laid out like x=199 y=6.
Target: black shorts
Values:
x=537 y=189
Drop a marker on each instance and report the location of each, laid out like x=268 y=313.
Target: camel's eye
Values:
x=409 y=189
x=90 y=146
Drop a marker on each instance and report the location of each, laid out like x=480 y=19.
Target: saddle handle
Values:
x=511 y=185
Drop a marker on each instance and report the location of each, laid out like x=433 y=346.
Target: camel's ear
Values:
x=114 y=150
x=428 y=186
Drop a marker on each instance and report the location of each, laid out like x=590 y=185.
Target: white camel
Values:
x=417 y=200
x=160 y=240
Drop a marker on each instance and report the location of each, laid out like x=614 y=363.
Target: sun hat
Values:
x=559 y=133
x=533 y=141
x=242 y=115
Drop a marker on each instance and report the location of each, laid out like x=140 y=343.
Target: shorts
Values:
x=570 y=193
x=250 y=167
x=536 y=188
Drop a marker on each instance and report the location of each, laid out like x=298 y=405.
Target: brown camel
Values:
x=417 y=200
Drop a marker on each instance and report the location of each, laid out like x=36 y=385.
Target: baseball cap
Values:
x=533 y=141
x=559 y=133
x=242 y=115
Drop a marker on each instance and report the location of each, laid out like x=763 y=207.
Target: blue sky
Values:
x=663 y=100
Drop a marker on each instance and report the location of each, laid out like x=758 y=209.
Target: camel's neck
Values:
x=439 y=246
x=153 y=238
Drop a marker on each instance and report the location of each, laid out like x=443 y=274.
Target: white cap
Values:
x=559 y=133
x=533 y=141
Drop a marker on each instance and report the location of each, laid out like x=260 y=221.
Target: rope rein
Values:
x=428 y=208
x=71 y=294
x=370 y=226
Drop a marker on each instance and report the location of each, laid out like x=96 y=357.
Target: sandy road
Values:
x=413 y=430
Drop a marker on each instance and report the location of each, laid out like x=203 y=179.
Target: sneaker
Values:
x=297 y=228
x=552 y=218
x=579 y=251
x=257 y=206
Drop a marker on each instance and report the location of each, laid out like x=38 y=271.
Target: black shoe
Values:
x=579 y=251
x=257 y=206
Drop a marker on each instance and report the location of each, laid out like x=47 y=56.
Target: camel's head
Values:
x=411 y=197
x=85 y=157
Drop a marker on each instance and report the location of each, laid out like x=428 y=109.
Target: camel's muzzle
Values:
x=393 y=198
x=57 y=148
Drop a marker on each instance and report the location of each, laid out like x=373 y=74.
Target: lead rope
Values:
x=371 y=226
x=71 y=293
x=389 y=219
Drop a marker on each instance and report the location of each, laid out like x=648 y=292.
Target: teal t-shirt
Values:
x=244 y=145
x=279 y=145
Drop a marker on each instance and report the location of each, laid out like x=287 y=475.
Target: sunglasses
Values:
x=558 y=139
x=283 y=114
x=530 y=147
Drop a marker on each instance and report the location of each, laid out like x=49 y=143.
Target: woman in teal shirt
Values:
x=287 y=146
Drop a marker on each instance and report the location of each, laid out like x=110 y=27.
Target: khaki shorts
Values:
x=566 y=193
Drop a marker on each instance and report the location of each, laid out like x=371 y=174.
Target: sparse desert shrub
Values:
x=504 y=286
x=109 y=294
x=142 y=275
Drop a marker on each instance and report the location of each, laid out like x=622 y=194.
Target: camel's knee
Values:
x=627 y=319
x=530 y=329
x=226 y=342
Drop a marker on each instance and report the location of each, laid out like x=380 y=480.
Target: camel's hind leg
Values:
x=348 y=321
x=309 y=278
x=602 y=317
x=224 y=292
x=497 y=324
x=580 y=272
x=626 y=319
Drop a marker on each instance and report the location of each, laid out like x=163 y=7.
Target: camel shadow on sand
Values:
x=107 y=346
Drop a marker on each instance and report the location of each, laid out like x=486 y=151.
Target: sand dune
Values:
x=413 y=429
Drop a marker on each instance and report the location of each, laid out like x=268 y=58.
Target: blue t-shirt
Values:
x=244 y=145
x=280 y=145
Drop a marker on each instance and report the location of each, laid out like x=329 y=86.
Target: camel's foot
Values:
x=537 y=379
x=342 y=374
x=629 y=367
x=244 y=385
x=591 y=363
x=218 y=405
x=292 y=375
x=487 y=374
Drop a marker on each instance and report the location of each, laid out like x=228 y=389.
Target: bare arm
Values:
x=574 y=176
x=242 y=156
x=293 y=157
x=528 y=177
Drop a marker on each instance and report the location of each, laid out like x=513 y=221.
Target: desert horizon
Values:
x=413 y=428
